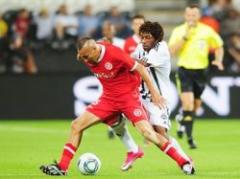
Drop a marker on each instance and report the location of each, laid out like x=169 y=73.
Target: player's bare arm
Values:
x=219 y=52
x=157 y=99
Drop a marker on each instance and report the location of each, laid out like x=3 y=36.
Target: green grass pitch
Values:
x=26 y=144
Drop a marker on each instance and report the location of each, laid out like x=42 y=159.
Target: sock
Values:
x=188 y=122
x=128 y=141
x=179 y=148
x=67 y=155
x=182 y=128
x=172 y=152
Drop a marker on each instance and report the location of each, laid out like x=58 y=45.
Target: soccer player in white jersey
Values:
x=153 y=53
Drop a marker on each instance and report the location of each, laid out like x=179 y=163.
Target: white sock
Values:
x=128 y=141
x=182 y=128
x=178 y=147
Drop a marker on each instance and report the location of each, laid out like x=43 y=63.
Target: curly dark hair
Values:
x=153 y=28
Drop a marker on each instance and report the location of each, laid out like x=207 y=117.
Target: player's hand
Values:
x=144 y=63
x=159 y=101
x=187 y=32
x=218 y=64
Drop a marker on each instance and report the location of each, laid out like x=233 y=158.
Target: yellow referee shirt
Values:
x=3 y=28
x=194 y=53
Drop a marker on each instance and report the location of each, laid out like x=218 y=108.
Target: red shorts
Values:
x=109 y=109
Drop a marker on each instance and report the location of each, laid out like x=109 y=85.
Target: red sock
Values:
x=67 y=155
x=169 y=149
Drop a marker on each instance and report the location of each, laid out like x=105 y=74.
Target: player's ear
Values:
x=78 y=54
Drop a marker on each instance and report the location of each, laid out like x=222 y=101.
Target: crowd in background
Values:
x=225 y=19
x=22 y=32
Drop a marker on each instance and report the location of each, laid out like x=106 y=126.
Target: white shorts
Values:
x=157 y=116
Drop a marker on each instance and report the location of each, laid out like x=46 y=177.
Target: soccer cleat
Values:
x=192 y=144
x=53 y=170
x=188 y=168
x=131 y=157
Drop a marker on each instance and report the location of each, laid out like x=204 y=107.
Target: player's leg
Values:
x=180 y=126
x=135 y=112
x=159 y=119
x=73 y=142
x=187 y=99
x=134 y=151
x=110 y=133
x=96 y=112
x=181 y=81
x=138 y=117
x=197 y=105
x=121 y=130
x=163 y=131
x=166 y=146
x=198 y=88
x=186 y=87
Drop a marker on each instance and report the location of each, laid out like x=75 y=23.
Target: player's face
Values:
x=108 y=31
x=136 y=23
x=148 y=41
x=192 y=16
x=89 y=54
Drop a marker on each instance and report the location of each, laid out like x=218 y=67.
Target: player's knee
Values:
x=147 y=134
x=162 y=131
x=188 y=106
x=120 y=128
x=75 y=127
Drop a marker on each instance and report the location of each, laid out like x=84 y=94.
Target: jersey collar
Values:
x=103 y=50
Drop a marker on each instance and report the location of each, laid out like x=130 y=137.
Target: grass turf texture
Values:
x=26 y=144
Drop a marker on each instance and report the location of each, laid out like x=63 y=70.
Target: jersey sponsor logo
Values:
x=137 y=112
x=105 y=75
x=108 y=66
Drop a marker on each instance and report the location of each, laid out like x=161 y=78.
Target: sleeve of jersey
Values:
x=125 y=46
x=127 y=61
x=158 y=57
x=136 y=53
x=175 y=37
x=215 y=40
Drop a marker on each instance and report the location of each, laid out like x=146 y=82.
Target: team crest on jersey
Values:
x=137 y=112
x=108 y=66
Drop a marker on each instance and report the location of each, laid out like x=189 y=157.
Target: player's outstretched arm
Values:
x=157 y=99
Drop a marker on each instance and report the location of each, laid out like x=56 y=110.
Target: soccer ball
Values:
x=89 y=164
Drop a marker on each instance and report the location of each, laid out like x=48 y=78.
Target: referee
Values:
x=190 y=42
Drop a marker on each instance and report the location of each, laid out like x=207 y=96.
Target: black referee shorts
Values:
x=189 y=80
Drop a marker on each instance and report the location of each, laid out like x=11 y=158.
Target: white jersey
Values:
x=159 y=67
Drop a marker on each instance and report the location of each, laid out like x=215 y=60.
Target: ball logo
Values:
x=137 y=112
x=108 y=66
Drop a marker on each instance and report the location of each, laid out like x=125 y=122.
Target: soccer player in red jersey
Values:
x=119 y=76
x=132 y=41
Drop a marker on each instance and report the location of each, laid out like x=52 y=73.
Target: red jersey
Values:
x=22 y=26
x=115 y=71
x=131 y=44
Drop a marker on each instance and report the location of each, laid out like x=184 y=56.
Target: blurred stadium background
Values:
x=41 y=79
